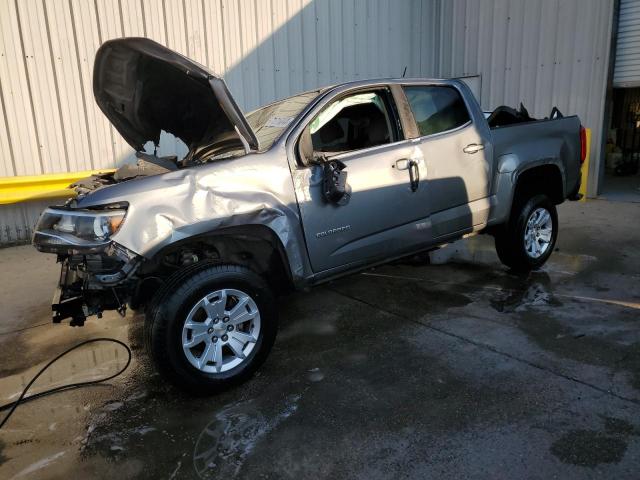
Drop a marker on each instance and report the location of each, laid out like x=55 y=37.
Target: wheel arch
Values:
x=546 y=178
x=256 y=247
x=516 y=181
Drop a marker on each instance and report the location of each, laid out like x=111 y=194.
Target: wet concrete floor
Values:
x=454 y=369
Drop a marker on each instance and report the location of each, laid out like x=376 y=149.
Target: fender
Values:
x=509 y=171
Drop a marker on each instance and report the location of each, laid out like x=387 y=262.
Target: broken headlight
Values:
x=63 y=229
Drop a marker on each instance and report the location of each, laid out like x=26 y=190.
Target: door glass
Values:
x=352 y=123
x=436 y=109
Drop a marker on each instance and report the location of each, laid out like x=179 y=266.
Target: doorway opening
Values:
x=622 y=149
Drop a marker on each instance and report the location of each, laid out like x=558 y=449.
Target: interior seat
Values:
x=324 y=140
x=378 y=131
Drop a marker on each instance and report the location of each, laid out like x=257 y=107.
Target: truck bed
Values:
x=555 y=141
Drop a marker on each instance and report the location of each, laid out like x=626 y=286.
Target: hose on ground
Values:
x=23 y=398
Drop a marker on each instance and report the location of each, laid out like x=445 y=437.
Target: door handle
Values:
x=473 y=148
x=402 y=164
x=414 y=178
x=414 y=171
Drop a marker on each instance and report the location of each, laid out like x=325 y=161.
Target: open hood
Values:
x=143 y=88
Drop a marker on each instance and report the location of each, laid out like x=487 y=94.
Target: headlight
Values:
x=59 y=228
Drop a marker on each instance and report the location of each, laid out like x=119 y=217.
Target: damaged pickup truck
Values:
x=299 y=192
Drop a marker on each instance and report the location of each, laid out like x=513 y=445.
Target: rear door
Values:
x=457 y=153
x=386 y=213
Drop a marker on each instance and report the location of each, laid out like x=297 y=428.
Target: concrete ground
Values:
x=621 y=189
x=457 y=369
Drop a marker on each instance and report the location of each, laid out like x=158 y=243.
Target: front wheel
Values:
x=526 y=242
x=213 y=329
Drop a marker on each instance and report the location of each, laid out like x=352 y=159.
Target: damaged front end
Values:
x=130 y=229
x=97 y=273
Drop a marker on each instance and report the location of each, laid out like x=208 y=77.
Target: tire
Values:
x=511 y=240
x=216 y=352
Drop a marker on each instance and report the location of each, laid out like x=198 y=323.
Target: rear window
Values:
x=269 y=122
x=436 y=109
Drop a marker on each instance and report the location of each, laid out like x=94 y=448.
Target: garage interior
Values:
x=620 y=179
x=622 y=148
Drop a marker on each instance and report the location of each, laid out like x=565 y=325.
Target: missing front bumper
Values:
x=79 y=296
x=68 y=301
x=73 y=308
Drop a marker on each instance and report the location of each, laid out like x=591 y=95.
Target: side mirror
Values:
x=335 y=188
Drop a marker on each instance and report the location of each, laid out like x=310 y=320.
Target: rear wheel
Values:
x=526 y=242
x=213 y=330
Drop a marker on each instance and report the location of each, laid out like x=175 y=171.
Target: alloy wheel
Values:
x=221 y=330
x=538 y=232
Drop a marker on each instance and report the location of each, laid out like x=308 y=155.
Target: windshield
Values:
x=269 y=122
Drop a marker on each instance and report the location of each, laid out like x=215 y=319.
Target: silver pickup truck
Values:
x=296 y=193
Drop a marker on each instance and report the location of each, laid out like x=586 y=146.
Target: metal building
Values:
x=540 y=52
x=627 y=62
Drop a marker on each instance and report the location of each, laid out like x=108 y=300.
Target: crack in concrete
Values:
x=620 y=303
x=492 y=349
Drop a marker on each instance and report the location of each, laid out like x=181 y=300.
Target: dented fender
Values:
x=256 y=189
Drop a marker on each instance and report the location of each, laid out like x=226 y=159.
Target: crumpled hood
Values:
x=143 y=88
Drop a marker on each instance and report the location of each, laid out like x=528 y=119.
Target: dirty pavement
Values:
x=448 y=369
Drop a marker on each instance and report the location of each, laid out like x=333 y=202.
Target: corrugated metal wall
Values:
x=539 y=52
x=627 y=67
x=266 y=49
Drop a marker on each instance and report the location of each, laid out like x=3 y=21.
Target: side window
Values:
x=354 y=122
x=436 y=109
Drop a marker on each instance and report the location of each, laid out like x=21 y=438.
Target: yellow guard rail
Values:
x=41 y=187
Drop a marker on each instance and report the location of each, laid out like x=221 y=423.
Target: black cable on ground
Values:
x=23 y=399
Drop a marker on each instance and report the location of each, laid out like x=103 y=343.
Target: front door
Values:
x=386 y=213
